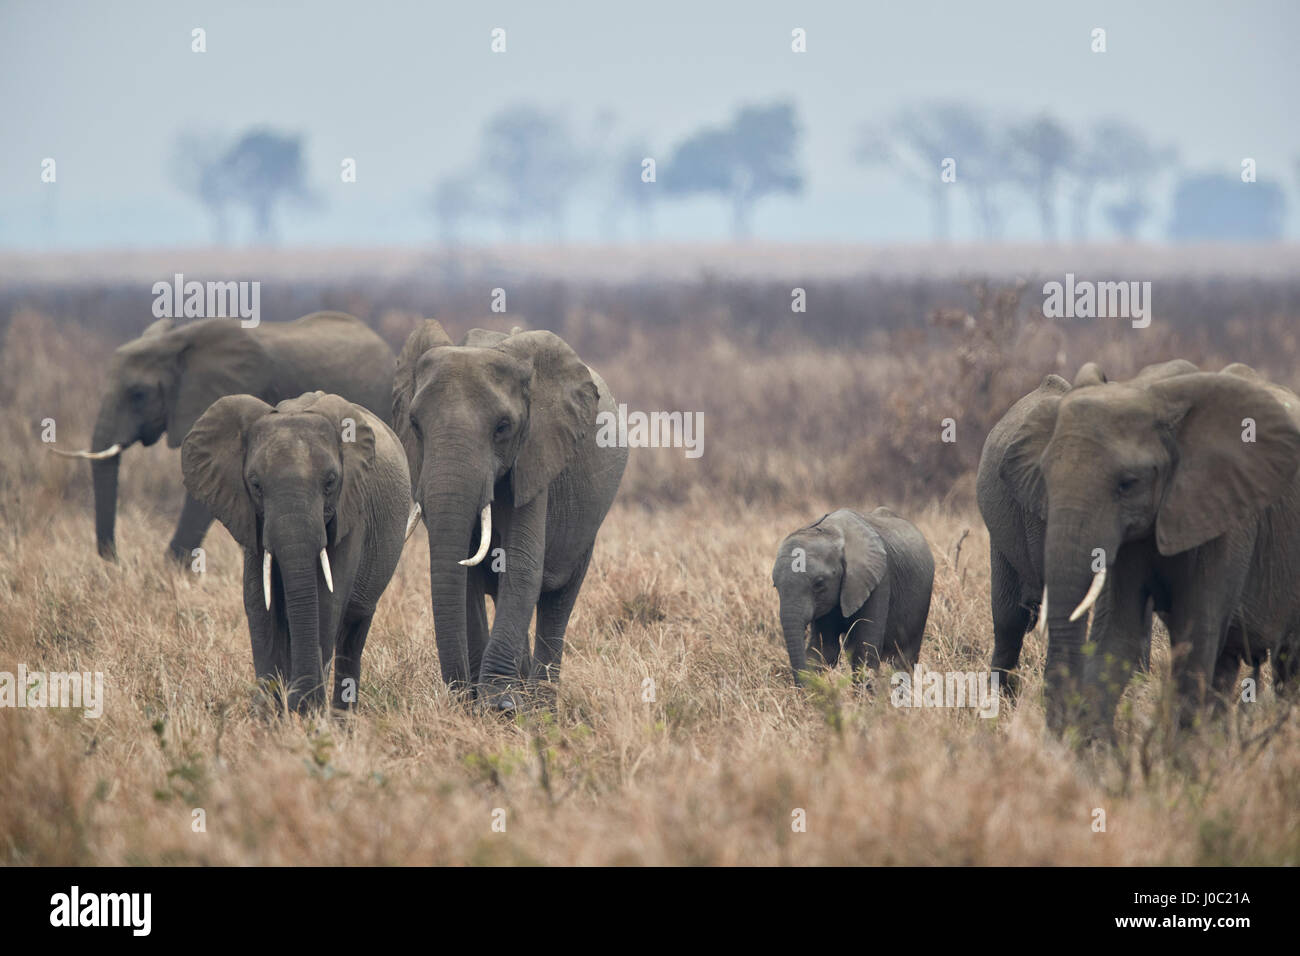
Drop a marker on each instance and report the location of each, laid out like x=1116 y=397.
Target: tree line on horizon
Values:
x=531 y=164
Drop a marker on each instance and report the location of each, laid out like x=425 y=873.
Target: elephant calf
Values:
x=867 y=576
x=316 y=492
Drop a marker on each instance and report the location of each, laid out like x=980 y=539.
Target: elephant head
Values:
x=502 y=415
x=834 y=563
x=1164 y=460
x=289 y=483
x=162 y=382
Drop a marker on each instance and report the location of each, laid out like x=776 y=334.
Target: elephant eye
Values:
x=1126 y=484
x=330 y=481
x=254 y=484
x=503 y=426
x=137 y=394
x=819 y=582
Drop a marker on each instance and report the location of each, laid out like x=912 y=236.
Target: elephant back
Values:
x=335 y=353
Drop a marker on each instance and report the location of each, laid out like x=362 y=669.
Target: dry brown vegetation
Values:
x=679 y=592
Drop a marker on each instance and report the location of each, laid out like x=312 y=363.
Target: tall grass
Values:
x=676 y=734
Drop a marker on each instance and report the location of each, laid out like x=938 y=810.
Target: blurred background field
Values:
x=839 y=406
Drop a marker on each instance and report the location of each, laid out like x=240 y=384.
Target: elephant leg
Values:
x=1208 y=589
x=553 y=611
x=826 y=640
x=1120 y=639
x=1226 y=669
x=1286 y=667
x=1148 y=615
x=868 y=635
x=476 y=623
x=518 y=591
x=190 y=529
x=861 y=653
x=1196 y=637
x=1011 y=619
x=347 y=661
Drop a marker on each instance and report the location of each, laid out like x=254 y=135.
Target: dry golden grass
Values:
x=708 y=772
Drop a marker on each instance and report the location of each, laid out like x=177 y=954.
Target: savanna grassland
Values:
x=840 y=407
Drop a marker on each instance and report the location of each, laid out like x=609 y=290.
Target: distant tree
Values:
x=1127 y=215
x=264 y=168
x=1216 y=206
x=1116 y=154
x=750 y=158
x=919 y=139
x=529 y=166
x=260 y=170
x=1041 y=150
x=914 y=143
x=196 y=169
x=630 y=192
x=456 y=198
x=979 y=145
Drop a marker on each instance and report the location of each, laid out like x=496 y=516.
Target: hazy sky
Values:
x=404 y=87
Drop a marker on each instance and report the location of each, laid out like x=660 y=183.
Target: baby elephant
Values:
x=316 y=492
x=865 y=575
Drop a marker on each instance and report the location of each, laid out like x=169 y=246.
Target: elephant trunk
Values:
x=295 y=543
x=1072 y=587
x=794 y=625
x=452 y=499
x=103 y=474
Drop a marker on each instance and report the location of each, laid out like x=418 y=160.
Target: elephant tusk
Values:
x=266 y=578
x=1089 y=599
x=413 y=520
x=484 y=538
x=325 y=569
x=1041 y=627
x=112 y=452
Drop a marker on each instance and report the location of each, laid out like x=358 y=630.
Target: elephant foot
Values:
x=504 y=699
x=1008 y=683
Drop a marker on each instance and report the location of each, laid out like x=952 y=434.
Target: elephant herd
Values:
x=1175 y=493
x=319 y=451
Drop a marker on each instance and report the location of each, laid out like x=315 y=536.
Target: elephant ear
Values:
x=1090 y=373
x=1221 y=480
x=484 y=338
x=1241 y=370
x=214 y=358
x=429 y=334
x=865 y=559
x=212 y=462
x=160 y=327
x=1163 y=370
x=356 y=449
x=562 y=410
x=1022 y=463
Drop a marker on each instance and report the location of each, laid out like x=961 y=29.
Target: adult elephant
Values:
x=164 y=380
x=315 y=491
x=500 y=438
x=1016 y=528
x=1179 y=493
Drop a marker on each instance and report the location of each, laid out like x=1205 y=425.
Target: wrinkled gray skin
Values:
x=1190 y=519
x=865 y=577
x=288 y=481
x=1017 y=532
x=164 y=380
x=511 y=420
